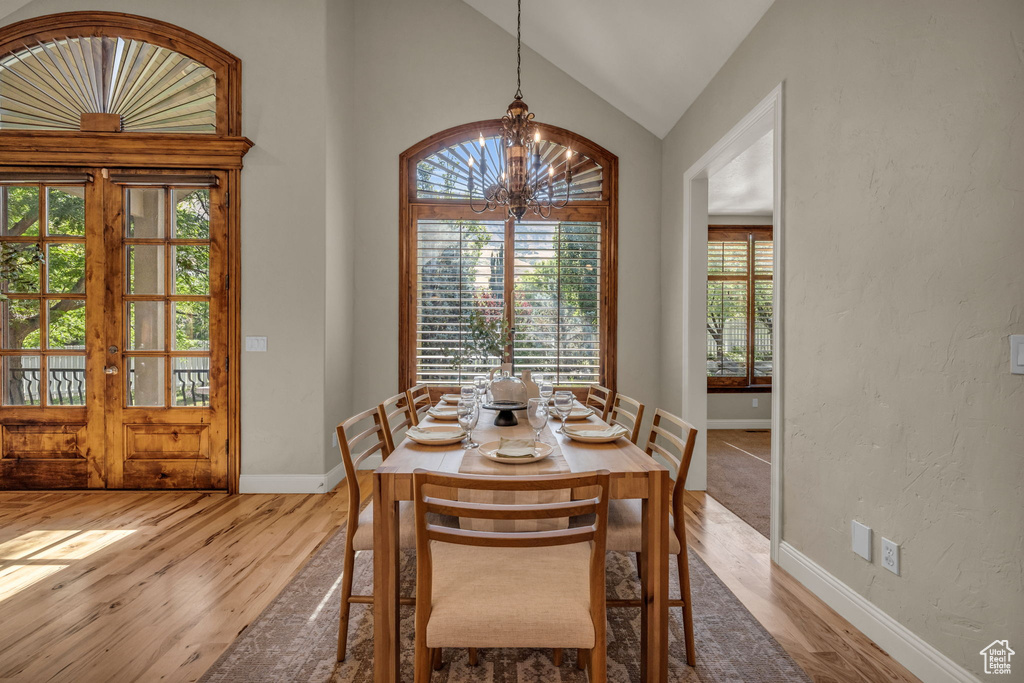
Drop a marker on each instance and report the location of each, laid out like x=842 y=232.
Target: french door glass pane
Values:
x=19 y=208
x=65 y=211
x=191 y=326
x=21 y=380
x=145 y=269
x=66 y=324
x=145 y=212
x=65 y=268
x=191 y=385
x=191 y=214
x=145 y=326
x=145 y=380
x=65 y=380
x=20 y=323
x=191 y=270
x=25 y=272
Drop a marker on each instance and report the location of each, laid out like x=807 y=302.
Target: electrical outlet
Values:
x=256 y=344
x=754 y=402
x=861 y=539
x=891 y=556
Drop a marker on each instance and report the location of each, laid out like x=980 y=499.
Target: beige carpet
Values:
x=295 y=638
x=740 y=473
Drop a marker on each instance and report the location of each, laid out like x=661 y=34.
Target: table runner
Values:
x=475 y=463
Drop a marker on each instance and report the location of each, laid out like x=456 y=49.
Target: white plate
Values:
x=490 y=451
x=576 y=414
x=595 y=439
x=446 y=415
x=457 y=434
x=452 y=398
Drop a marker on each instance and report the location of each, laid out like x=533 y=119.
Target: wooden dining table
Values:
x=634 y=474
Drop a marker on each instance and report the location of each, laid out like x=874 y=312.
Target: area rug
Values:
x=295 y=638
x=740 y=474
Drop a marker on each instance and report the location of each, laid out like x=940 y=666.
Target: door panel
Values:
x=167 y=406
x=47 y=381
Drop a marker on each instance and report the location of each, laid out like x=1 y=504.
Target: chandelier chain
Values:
x=519 y=50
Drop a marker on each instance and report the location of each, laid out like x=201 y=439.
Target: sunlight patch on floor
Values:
x=35 y=555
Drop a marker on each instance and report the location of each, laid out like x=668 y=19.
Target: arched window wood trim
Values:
x=604 y=209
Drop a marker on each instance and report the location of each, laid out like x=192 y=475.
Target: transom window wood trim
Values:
x=581 y=251
x=739 y=316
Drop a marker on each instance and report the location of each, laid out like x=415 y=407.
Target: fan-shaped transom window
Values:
x=445 y=174
x=133 y=85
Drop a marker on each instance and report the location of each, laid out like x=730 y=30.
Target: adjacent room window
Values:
x=551 y=279
x=739 y=325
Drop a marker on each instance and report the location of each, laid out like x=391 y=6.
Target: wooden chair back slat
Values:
x=600 y=399
x=627 y=413
x=680 y=453
x=511 y=539
x=351 y=460
x=396 y=414
x=419 y=401
x=458 y=508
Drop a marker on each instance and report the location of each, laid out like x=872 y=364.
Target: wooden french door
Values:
x=115 y=331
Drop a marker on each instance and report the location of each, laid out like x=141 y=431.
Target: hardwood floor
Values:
x=155 y=586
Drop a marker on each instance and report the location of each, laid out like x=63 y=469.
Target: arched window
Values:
x=551 y=279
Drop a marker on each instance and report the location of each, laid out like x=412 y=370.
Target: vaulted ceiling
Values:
x=648 y=58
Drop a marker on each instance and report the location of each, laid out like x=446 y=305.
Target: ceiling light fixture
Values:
x=522 y=180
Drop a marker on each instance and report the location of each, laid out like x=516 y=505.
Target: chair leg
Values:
x=683 y=565
x=581 y=659
x=556 y=655
x=348 y=565
x=598 y=666
x=423 y=662
x=472 y=656
x=437 y=659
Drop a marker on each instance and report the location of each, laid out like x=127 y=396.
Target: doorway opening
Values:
x=732 y=322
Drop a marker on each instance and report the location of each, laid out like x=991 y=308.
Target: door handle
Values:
x=110 y=370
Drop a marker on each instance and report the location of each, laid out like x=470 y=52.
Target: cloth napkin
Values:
x=516 y=448
x=434 y=435
x=577 y=412
x=614 y=430
x=445 y=411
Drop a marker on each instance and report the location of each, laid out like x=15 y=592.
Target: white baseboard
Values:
x=299 y=483
x=740 y=424
x=907 y=648
x=291 y=483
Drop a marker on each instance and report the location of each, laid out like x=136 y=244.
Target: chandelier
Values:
x=521 y=180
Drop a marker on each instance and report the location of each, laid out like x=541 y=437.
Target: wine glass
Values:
x=481 y=387
x=563 y=406
x=537 y=414
x=545 y=387
x=468 y=392
x=469 y=413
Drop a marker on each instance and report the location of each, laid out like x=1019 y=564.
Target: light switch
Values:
x=255 y=343
x=1017 y=354
x=861 y=539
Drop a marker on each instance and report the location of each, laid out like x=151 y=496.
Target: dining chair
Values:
x=524 y=589
x=628 y=413
x=396 y=414
x=359 y=437
x=600 y=399
x=419 y=400
x=625 y=517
